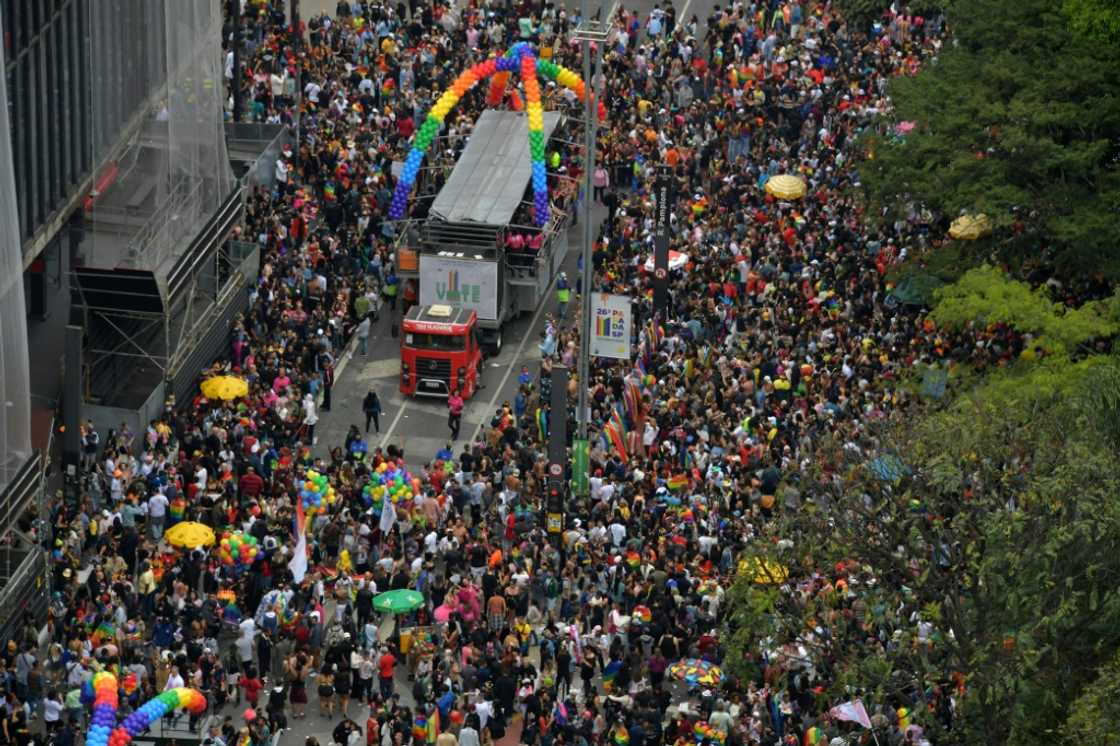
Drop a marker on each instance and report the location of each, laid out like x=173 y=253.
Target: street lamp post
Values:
x=591 y=33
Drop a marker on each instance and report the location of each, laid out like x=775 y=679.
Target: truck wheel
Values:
x=495 y=347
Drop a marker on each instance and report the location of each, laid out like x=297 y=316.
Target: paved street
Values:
x=419 y=426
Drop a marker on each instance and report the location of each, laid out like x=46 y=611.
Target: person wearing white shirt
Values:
x=485 y=710
x=174 y=681
x=618 y=533
x=468 y=736
x=157 y=513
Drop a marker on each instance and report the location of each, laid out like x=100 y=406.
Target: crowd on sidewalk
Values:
x=779 y=330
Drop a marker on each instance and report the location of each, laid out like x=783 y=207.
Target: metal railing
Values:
x=163 y=231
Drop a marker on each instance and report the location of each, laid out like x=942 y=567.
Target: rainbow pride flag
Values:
x=677 y=482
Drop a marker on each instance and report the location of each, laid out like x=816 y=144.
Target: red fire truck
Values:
x=440 y=351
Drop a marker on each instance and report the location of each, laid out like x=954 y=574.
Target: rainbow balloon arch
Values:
x=103 y=691
x=519 y=58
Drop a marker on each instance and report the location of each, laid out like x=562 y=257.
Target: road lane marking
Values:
x=529 y=333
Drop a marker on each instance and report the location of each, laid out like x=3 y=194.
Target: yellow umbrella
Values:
x=786 y=186
x=225 y=387
x=970 y=227
x=189 y=535
x=765 y=571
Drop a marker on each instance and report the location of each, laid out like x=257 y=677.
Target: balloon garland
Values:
x=140 y=720
x=520 y=58
x=103 y=691
x=536 y=138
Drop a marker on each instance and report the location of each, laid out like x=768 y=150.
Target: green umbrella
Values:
x=398 y=602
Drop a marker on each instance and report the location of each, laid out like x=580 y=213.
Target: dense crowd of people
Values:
x=779 y=329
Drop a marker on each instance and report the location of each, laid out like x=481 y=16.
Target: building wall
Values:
x=76 y=78
x=15 y=398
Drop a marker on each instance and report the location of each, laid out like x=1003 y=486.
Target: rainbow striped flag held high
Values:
x=677 y=482
x=614 y=438
x=610 y=671
x=619 y=421
x=632 y=398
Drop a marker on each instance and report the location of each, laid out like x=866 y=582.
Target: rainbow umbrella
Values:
x=696 y=672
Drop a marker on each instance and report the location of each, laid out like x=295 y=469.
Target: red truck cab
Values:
x=440 y=351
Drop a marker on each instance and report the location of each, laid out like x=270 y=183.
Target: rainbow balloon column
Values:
x=520 y=58
x=536 y=137
x=102 y=690
x=140 y=720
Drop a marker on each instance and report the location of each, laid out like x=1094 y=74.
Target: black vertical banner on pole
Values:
x=664 y=196
x=558 y=421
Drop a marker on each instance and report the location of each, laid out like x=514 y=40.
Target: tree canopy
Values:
x=1017 y=118
x=985 y=563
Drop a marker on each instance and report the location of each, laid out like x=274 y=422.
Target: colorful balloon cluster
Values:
x=102 y=691
x=521 y=58
x=316 y=493
x=238 y=551
x=394 y=481
x=705 y=732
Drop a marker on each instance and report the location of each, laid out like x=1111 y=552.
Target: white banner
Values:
x=459 y=283
x=610 y=326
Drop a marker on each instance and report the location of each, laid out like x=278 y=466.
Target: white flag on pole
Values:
x=298 y=563
x=853 y=711
x=388 y=517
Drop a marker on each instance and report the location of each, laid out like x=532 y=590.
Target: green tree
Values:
x=1016 y=118
x=1005 y=541
x=1094 y=715
x=987 y=295
x=990 y=563
x=1099 y=19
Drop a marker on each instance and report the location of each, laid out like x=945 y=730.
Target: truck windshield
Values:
x=444 y=342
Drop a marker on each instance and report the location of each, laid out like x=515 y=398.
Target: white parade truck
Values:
x=477 y=248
